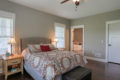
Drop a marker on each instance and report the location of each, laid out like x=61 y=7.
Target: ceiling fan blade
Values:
x=64 y=1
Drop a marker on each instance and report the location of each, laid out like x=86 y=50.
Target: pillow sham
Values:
x=34 y=47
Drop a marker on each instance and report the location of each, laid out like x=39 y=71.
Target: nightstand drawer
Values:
x=14 y=61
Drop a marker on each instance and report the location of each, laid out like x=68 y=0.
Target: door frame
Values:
x=107 y=37
x=74 y=27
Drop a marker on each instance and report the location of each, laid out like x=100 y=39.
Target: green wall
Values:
x=32 y=23
x=95 y=32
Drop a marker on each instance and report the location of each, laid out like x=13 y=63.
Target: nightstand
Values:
x=12 y=64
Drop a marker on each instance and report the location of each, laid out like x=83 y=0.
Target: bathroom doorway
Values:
x=77 y=39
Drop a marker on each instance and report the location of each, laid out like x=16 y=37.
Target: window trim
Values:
x=9 y=15
x=63 y=26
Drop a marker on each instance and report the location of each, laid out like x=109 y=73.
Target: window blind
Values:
x=6 y=32
x=60 y=35
x=6 y=27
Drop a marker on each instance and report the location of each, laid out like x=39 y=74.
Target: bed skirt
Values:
x=35 y=74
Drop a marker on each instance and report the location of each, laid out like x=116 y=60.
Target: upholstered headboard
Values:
x=35 y=40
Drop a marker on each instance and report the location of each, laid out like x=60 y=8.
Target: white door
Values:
x=114 y=42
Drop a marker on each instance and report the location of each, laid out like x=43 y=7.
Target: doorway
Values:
x=77 y=39
x=113 y=41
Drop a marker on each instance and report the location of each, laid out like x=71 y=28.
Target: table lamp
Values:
x=12 y=42
x=56 y=41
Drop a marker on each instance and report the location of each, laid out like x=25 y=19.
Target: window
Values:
x=6 y=31
x=60 y=35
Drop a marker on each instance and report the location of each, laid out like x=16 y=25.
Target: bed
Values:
x=49 y=65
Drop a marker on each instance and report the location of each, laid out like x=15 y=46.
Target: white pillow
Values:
x=52 y=46
x=34 y=47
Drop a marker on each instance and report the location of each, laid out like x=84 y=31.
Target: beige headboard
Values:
x=35 y=40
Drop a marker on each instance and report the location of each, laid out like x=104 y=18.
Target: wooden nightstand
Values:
x=12 y=64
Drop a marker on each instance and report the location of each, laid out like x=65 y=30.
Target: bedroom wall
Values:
x=95 y=32
x=33 y=23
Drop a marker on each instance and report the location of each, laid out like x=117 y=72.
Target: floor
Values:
x=104 y=71
x=100 y=71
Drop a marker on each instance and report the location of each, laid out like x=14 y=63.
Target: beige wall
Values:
x=78 y=35
x=33 y=23
x=95 y=31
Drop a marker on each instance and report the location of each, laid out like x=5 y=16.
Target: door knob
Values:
x=109 y=45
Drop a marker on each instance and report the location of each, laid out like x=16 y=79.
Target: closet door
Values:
x=114 y=42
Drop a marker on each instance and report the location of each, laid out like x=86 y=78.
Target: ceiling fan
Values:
x=77 y=2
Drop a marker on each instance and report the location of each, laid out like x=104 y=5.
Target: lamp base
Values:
x=12 y=54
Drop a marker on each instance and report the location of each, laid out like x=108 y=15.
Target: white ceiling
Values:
x=67 y=10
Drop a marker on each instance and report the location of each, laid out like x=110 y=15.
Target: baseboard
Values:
x=96 y=59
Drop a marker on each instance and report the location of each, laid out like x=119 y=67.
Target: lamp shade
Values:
x=12 y=41
x=55 y=40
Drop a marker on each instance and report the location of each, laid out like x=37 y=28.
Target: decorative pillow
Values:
x=45 y=48
x=52 y=47
x=34 y=47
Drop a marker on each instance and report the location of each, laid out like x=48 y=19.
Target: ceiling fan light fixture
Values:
x=76 y=0
x=77 y=3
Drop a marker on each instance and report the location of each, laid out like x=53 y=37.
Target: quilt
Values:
x=53 y=63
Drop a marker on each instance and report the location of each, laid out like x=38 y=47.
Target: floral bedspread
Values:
x=53 y=63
